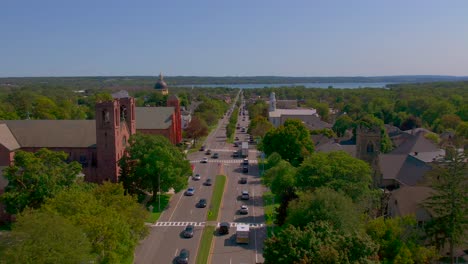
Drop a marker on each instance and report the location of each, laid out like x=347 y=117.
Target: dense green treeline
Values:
x=436 y=106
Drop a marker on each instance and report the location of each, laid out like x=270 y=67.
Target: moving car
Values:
x=245 y=168
x=224 y=228
x=215 y=156
x=208 y=182
x=235 y=154
x=183 y=257
x=204 y=160
x=190 y=191
x=245 y=162
x=201 y=203
x=202 y=148
x=188 y=231
x=244 y=209
x=208 y=152
x=196 y=177
x=245 y=195
x=243 y=180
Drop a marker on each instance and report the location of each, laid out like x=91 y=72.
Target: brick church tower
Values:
x=115 y=123
x=177 y=118
x=368 y=141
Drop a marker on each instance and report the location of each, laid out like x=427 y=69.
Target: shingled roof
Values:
x=7 y=139
x=408 y=199
x=154 y=117
x=404 y=168
x=418 y=143
x=51 y=133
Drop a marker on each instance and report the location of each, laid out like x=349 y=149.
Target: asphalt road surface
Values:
x=165 y=240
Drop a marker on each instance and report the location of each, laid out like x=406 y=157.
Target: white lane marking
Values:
x=191 y=211
x=175 y=254
x=177 y=204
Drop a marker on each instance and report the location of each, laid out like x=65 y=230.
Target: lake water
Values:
x=307 y=85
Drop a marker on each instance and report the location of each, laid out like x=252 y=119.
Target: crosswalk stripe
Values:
x=232 y=224
x=230 y=161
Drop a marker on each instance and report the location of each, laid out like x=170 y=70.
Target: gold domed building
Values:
x=161 y=85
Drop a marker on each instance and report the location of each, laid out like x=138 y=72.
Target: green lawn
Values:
x=205 y=245
x=154 y=216
x=216 y=198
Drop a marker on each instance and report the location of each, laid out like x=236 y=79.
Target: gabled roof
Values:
x=154 y=117
x=410 y=198
x=331 y=145
x=417 y=130
x=7 y=139
x=416 y=144
x=121 y=94
x=404 y=168
x=53 y=133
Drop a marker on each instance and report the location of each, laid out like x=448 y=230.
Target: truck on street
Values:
x=242 y=234
x=245 y=149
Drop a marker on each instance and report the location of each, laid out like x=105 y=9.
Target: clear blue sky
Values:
x=235 y=38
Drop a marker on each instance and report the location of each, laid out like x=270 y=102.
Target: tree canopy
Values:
x=152 y=163
x=291 y=140
x=34 y=177
x=318 y=242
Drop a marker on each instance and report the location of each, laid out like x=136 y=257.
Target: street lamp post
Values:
x=159 y=197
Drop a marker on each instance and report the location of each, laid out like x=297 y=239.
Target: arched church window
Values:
x=370 y=147
x=123 y=113
x=105 y=116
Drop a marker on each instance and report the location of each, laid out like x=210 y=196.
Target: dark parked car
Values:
x=208 y=152
x=183 y=257
x=215 y=156
x=224 y=228
x=245 y=168
x=188 y=231
x=208 y=182
x=202 y=148
x=201 y=203
x=243 y=180
x=235 y=154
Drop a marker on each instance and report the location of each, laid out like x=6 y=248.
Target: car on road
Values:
x=202 y=148
x=201 y=203
x=204 y=160
x=208 y=152
x=235 y=154
x=208 y=182
x=190 y=191
x=243 y=129
x=237 y=138
x=183 y=257
x=188 y=231
x=245 y=195
x=243 y=180
x=236 y=144
x=245 y=162
x=215 y=156
x=245 y=168
x=244 y=210
x=224 y=228
x=196 y=177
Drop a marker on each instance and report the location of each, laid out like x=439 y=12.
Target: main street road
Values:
x=165 y=241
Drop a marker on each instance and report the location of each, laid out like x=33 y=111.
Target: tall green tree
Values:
x=449 y=202
x=259 y=126
x=291 y=140
x=342 y=124
x=324 y=204
x=338 y=171
x=400 y=240
x=113 y=222
x=33 y=177
x=153 y=164
x=318 y=242
x=45 y=237
x=282 y=182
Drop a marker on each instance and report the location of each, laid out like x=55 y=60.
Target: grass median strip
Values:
x=216 y=198
x=205 y=245
x=203 y=254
